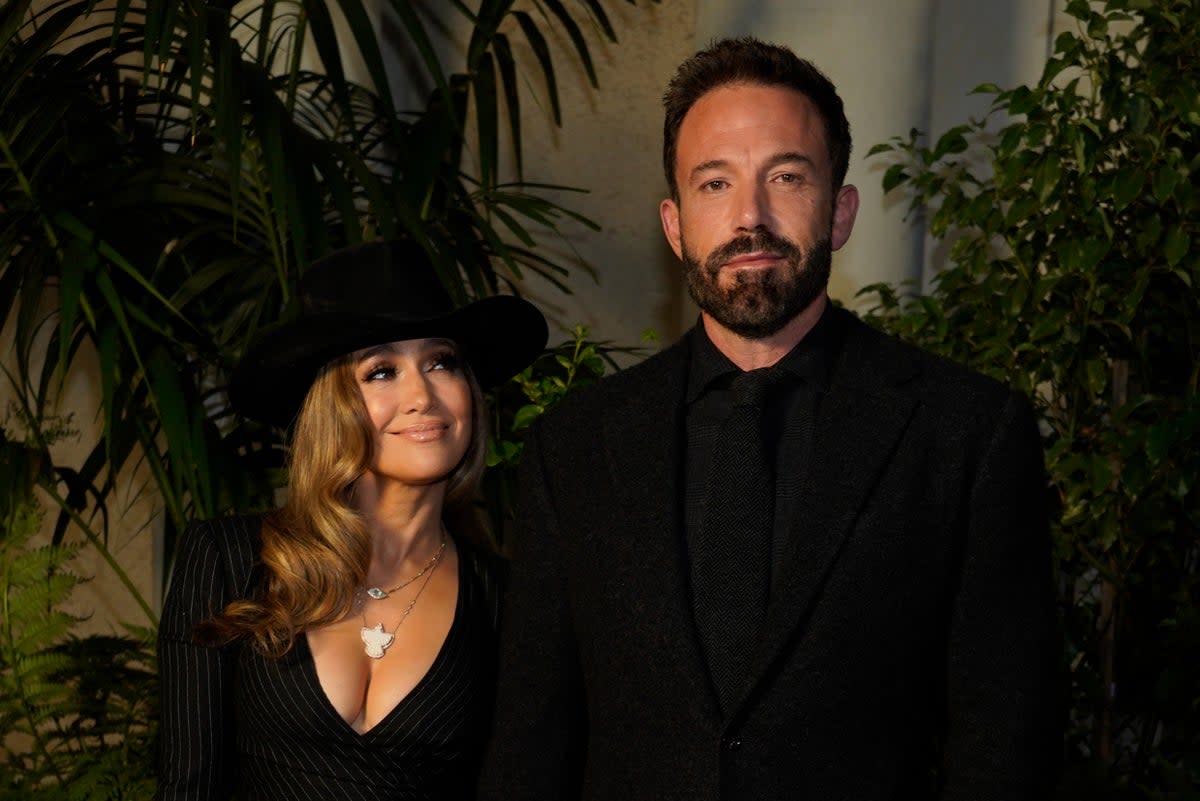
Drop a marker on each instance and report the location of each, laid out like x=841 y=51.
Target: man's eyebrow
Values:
x=791 y=156
x=787 y=157
x=711 y=164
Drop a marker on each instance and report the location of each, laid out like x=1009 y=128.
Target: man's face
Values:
x=757 y=218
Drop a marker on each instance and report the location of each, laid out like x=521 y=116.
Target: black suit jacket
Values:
x=911 y=653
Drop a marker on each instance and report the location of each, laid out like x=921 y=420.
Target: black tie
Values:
x=731 y=565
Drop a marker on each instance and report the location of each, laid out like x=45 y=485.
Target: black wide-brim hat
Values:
x=368 y=294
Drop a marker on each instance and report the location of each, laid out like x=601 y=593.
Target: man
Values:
x=838 y=591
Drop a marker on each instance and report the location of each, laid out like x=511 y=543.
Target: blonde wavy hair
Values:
x=316 y=549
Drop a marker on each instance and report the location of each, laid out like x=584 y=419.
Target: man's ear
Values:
x=845 y=209
x=668 y=212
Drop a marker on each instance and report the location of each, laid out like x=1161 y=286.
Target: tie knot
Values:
x=751 y=387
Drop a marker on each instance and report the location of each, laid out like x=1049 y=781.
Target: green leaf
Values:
x=1164 y=183
x=1097 y=377
x=1158 y=442
x=1046 y=325
x=416 y=31
x=541 y=50
x=1177 y=245
x=1045 y=182
x=486 y=119
x=366 y=40
x=1021 y=209
x=1139 y=114
x=512 y=99
x=1021 y=101
x=601 y=17
x=1101 y=475
x=894 y=176
x=576 y=36
x=526 y=415
x=986 y=89
x=1127 y=185
x=952 y=141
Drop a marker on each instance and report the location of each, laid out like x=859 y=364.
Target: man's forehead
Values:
x=730 y=112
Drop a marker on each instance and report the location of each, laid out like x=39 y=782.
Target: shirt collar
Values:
x=810 y=360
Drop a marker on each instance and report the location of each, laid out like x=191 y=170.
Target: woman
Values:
x=341 y=646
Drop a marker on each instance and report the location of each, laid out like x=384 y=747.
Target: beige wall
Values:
x=610 y=143
x=898 y=63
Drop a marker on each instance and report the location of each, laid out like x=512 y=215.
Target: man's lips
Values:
x=760 y=258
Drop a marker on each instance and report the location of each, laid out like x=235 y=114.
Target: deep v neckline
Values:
x=309 y=665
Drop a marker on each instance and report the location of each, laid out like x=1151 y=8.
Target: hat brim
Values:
x=499 y=336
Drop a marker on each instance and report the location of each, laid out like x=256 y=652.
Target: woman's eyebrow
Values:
x=376 y=350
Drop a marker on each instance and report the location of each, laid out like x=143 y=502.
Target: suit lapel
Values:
x=858 y=425
x=643 y=436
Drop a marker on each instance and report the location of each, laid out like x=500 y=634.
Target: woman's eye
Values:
x=381 y=373
x=444 y=361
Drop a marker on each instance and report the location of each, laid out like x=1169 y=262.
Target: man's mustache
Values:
x=761 y=241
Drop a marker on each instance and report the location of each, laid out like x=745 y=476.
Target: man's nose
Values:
x=753 y=212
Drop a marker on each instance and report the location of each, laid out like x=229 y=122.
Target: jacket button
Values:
x=731 y=744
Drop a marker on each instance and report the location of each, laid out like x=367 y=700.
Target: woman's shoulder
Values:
x=230 y=544
x=215 y=563
x=232 y=534
x=226 y=526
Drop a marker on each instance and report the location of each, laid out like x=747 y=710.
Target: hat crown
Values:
x=394 y=279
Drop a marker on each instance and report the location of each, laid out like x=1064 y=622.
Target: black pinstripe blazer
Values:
x=236 y=724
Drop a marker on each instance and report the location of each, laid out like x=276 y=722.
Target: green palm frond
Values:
x=168 y=167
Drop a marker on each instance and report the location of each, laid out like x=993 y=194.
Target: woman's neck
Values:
x=405 y=521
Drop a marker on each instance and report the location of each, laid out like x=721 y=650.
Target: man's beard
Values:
x=759 y=302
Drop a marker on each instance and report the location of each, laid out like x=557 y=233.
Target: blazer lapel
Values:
x=644 y=439
x=859 y=422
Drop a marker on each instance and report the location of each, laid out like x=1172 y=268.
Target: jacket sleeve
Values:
x=1003 y=721
x=536 y=748
x=197 y=748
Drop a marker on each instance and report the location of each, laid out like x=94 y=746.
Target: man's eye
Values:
x=713 y=185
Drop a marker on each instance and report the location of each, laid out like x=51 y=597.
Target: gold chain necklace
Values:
x=375 y=638
x=378 y=593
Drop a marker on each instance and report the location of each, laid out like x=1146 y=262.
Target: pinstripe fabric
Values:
x=234 y=723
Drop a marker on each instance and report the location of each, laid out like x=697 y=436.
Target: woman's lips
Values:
x=423 y=432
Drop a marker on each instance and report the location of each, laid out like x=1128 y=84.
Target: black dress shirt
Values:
x=787 y=420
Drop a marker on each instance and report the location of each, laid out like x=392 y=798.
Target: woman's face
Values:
x=419 y=401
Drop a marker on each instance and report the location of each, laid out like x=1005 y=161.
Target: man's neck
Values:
x=750 y=354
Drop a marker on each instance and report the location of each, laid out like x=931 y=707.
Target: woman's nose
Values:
x=417 y=396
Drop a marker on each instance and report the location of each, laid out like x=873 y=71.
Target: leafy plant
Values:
x=575 y=363
x=76 y=712
x=1075 y=256
x=165 y=169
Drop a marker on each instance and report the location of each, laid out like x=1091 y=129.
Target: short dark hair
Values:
x=752 y=61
